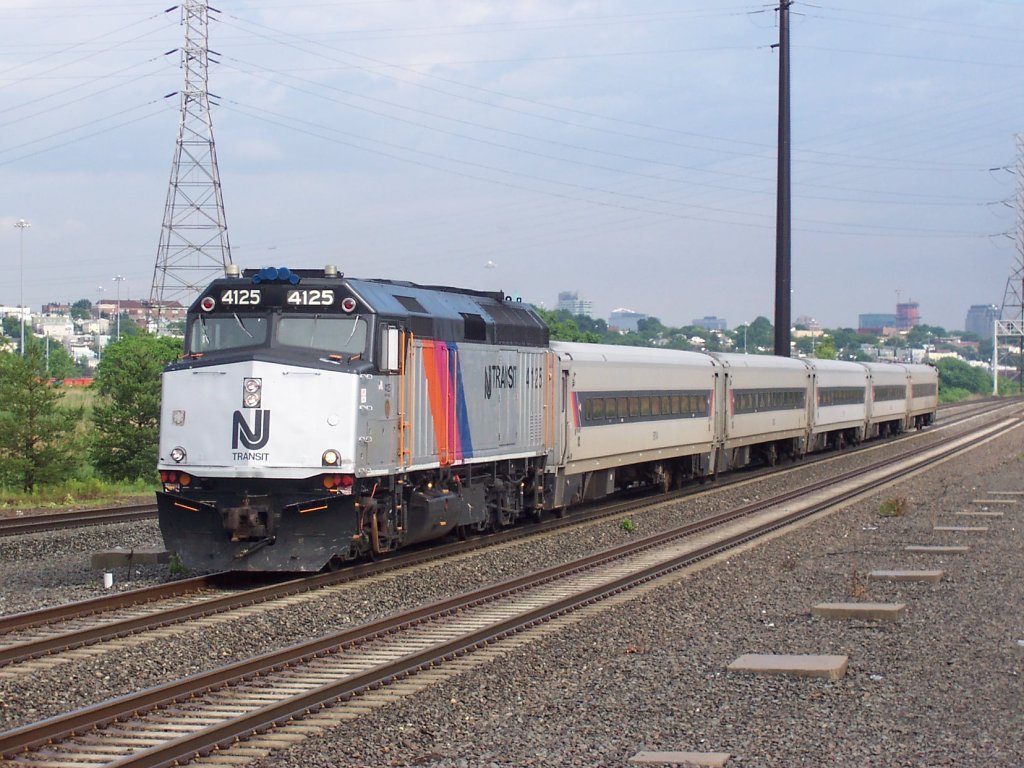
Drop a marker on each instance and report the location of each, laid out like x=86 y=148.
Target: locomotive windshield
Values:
x=332 y=334
x=324 y=333
x=219 y=332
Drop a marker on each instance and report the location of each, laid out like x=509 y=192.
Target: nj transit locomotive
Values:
x=315 y=418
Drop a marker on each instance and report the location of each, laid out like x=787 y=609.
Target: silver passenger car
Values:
x=839 y=404
x=632 y=415
x=764 y=412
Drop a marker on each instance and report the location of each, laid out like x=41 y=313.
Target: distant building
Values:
x=808 y=322
x=18 y=312
x=139 y=311
x=875 y=322
x=908 y=315
x=711 y=323
x=571 y=302
x=54 y=326
x=980 y=319
x=625 y=319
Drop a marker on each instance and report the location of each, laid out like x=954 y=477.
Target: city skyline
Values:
x=626 y=150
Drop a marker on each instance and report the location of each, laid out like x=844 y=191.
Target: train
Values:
x=316 y=419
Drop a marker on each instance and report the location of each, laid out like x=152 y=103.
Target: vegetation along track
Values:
x=196 y=716
x=30 y=642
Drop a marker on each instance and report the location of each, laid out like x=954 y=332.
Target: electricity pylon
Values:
x=1011 y=314
x=194 y=246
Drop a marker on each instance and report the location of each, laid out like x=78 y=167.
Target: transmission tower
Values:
x=1011 y=314
x=194 y=245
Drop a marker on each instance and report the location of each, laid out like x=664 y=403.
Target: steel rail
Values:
x=201 y=741
x=105 y=631
x=49 y=521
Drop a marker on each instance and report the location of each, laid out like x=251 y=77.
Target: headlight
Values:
x=331 y=458
x=178 y=454
x=252 y=392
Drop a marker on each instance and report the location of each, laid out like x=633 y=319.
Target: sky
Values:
x=623 y=149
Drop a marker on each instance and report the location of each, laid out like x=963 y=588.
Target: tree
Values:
x=126 y=418
x=759 y=337
x=128 y=327
x=56 y=360
x=37 y=439
x=81 y=310
x=562 y=327
x=825 y=348
x=957 y=375
x=11 y=326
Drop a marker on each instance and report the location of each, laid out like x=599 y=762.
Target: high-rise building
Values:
x=571 y=302
x=908 y=315
x=625 y=319
x=711 y=323
x=980 y=319
x=874 y=322
x=808 y=322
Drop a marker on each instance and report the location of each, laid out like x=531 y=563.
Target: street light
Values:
x=118 y=279
x=99 y=316
x=22 y=225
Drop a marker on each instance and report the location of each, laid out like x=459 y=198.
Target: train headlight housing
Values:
x=252 y=392
x=331 y=458
x=178 y=454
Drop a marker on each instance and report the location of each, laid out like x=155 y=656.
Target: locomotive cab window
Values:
x=222 y=332
x=324 y=333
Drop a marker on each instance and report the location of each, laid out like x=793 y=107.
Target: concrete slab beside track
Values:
x=930 y=577
x=829 y=666
x=865 y=611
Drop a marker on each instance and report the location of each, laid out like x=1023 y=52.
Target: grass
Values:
x=857 y=588
x=82 y=490
x=894 y=507
x=75 y=493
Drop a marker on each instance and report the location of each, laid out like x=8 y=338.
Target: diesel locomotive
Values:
x=315 y=418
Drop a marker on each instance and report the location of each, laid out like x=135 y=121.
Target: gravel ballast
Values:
x=940 y=687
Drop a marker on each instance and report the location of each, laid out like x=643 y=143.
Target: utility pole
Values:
x=118 y=279
x=194 y=245
x=1011 y=314
x=783 y=214
x=22 y=225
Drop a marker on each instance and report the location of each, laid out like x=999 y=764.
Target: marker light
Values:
x=178 y=454
x=331 y=458
x=207 y=304
x=348 y=304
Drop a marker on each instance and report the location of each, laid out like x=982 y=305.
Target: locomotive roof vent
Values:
x=232 y=270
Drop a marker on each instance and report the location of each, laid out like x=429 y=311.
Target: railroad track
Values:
x=186 y=719
x=35 y=522
x=51 y=521
x=42 y=639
